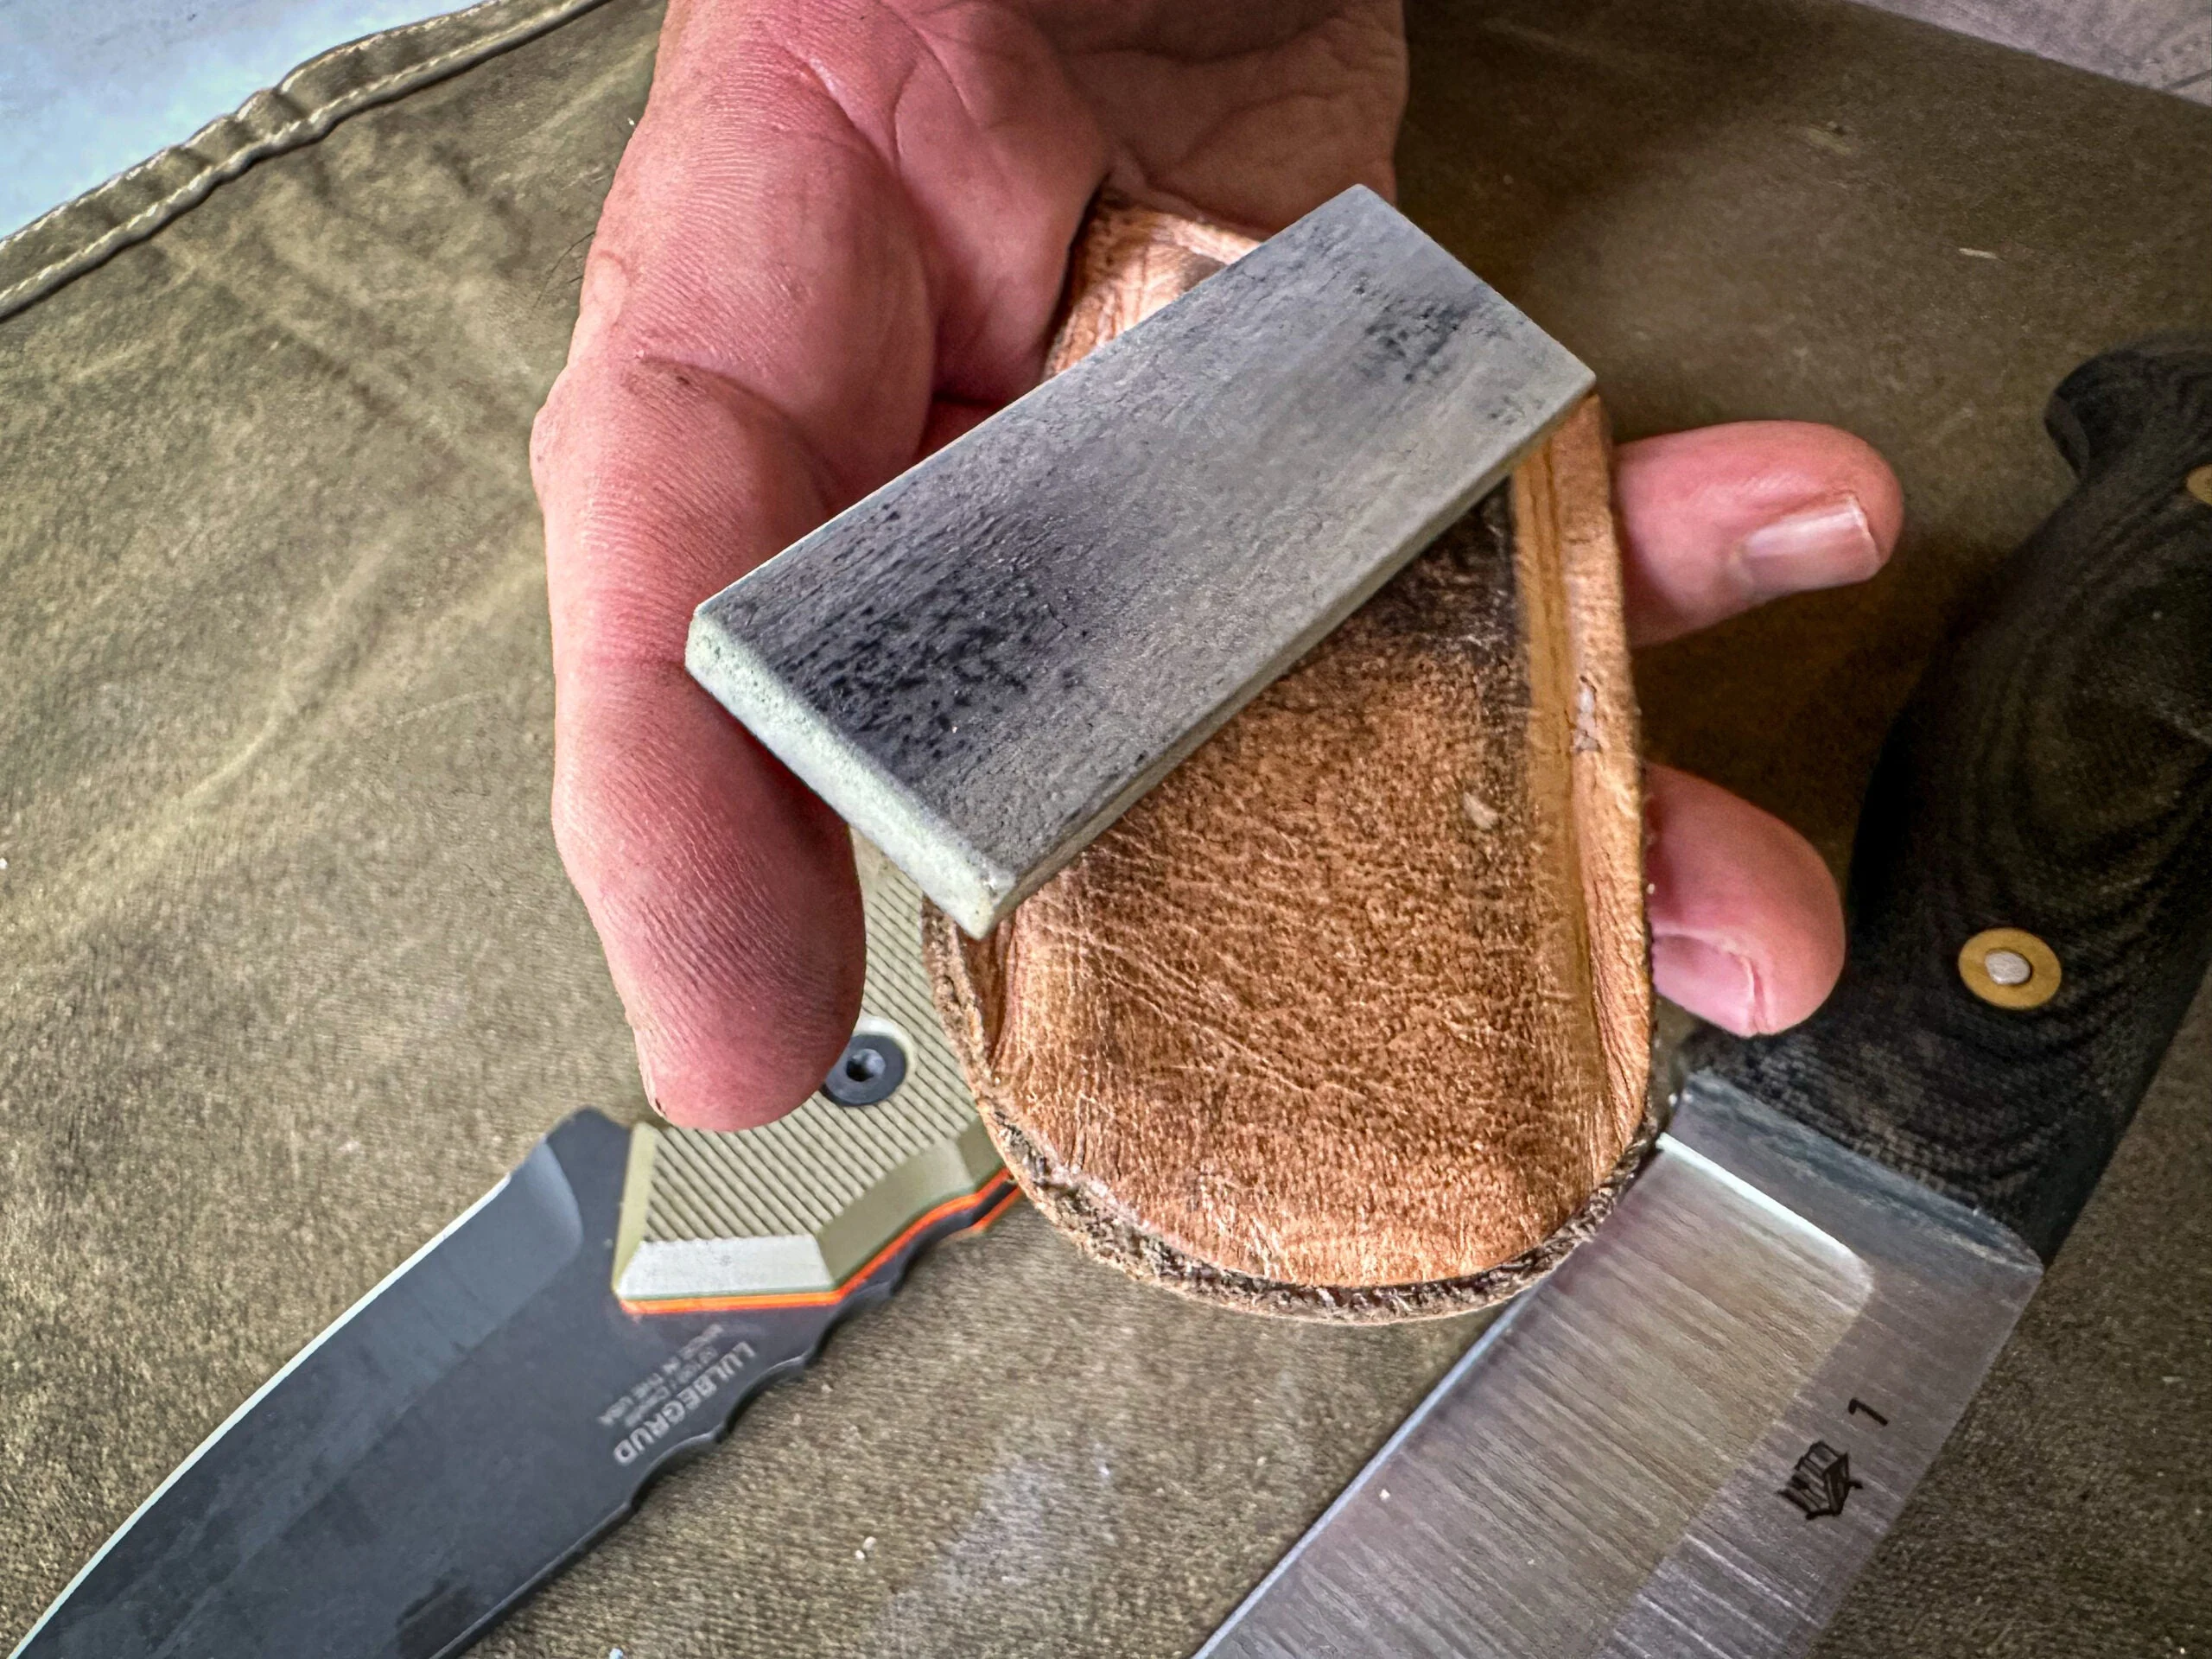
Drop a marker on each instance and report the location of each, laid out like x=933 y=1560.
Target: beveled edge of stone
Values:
x=973 y=889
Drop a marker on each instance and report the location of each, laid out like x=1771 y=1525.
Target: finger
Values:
x=1719 y=519
x=769 y=307
x=723 y=894
x=1746 y=928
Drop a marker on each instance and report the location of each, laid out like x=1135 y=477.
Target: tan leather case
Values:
x=1349 y=1017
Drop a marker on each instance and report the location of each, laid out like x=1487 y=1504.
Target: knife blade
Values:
x=1691 y=1438
x=506 y=1396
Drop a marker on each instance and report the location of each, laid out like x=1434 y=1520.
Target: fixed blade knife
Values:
x=1692 y=1436
x=506 y=1396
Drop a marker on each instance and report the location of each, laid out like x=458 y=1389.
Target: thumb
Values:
x=723 y=892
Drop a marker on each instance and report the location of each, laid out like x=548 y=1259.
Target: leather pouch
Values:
x=1349 y=1017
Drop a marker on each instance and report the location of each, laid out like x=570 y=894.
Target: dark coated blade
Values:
x=470 y=1425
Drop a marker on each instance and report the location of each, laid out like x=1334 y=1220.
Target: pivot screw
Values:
x=868 y=1072
x=2008 y=968
x=2200 y=484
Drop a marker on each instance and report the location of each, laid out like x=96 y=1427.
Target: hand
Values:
x=836 y=241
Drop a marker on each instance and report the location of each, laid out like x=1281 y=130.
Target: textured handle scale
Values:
x=809 y=1205
x=2053 y=773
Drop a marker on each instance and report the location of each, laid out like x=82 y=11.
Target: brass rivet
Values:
x=2009 y=969
x=2200 y=484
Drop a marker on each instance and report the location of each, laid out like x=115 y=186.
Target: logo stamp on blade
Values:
x=1821 y=1482
x=675 y=1389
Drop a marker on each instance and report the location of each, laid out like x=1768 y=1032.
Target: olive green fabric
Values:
x=291 y=973
x=61 y=246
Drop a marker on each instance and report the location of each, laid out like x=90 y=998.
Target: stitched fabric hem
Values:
x=64 y=244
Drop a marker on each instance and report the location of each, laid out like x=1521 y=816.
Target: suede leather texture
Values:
x=292 y=974
x=1349 y=1017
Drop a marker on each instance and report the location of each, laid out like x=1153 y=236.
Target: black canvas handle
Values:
x=2052 y=774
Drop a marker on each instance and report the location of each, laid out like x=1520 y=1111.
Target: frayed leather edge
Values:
x=1112 y=1238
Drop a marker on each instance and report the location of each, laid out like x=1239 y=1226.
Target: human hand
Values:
x=836 y=241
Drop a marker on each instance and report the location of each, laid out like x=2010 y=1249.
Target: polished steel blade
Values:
x=1688 y=1440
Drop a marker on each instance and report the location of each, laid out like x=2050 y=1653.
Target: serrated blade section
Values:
x=1687 y=1440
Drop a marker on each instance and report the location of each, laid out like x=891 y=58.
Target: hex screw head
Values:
x=868 y=1072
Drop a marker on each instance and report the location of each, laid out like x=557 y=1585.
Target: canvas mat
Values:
x=292 y=974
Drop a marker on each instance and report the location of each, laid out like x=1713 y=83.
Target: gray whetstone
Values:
x=986 y=662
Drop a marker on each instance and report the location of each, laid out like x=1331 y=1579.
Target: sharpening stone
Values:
x=986 y=662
